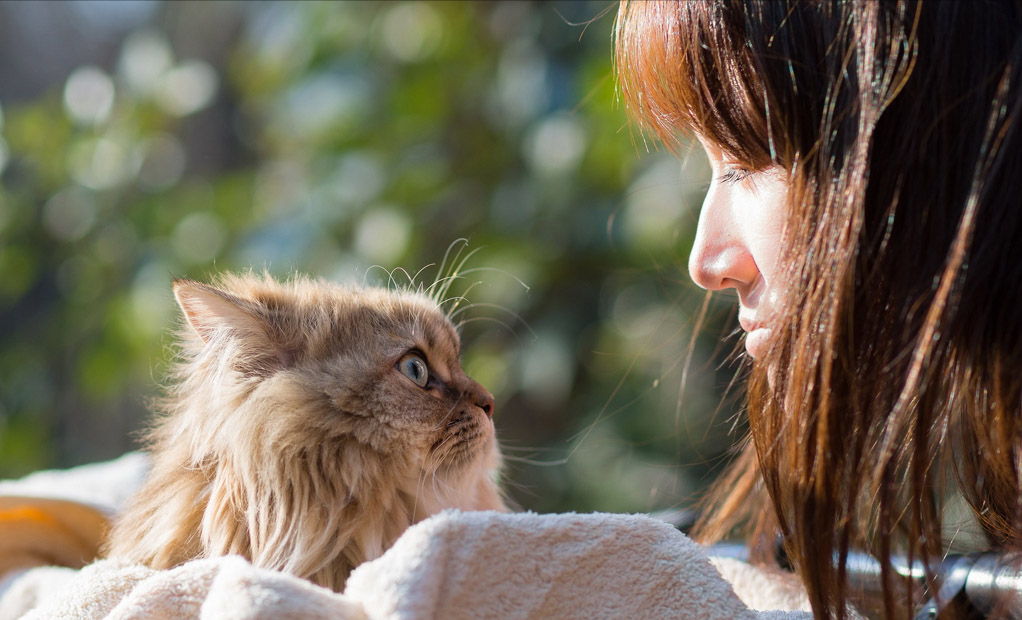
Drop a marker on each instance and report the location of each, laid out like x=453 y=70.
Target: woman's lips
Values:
x=757 y=337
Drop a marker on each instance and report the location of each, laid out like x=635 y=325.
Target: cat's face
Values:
x=323 y=365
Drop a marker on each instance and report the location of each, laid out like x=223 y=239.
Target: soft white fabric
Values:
x=763 y=588
x=102 y=486
x=455 y=565
x=517 y=566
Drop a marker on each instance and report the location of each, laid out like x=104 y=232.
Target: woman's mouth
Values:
x=757 y=337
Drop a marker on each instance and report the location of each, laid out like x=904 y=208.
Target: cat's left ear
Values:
x=211 y=312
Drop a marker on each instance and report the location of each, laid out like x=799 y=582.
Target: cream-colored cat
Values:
x=306 y=427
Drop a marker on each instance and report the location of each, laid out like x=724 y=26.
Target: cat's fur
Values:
x=290 y=436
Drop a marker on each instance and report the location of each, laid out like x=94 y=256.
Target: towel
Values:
x=453 y=565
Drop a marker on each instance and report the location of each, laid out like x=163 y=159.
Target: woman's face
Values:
x=738 y=241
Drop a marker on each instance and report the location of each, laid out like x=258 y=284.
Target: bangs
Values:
x=685 y=68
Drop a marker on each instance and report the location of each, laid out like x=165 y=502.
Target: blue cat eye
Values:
x=414 y=367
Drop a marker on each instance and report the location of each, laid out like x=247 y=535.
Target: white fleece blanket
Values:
x=454 y=565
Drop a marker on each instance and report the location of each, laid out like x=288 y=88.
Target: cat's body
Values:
x=307 y=427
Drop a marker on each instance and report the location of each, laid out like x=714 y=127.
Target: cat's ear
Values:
x=209 y=311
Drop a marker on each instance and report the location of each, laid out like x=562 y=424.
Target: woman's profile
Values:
x=865 y=206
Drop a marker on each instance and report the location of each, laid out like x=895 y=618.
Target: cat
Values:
x=306 y=426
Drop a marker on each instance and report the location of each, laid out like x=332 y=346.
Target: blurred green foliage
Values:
x=328 y=138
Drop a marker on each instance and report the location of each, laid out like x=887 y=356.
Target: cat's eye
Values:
x=414 y=367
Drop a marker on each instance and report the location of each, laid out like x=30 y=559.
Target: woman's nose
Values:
x=720 y=257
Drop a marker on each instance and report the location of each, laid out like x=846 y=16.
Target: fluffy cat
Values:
x=306 y=427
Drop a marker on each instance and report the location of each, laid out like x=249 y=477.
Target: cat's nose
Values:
x=480 y=397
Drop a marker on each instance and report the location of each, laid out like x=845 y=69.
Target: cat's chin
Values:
x=465 y=459
x=469 y=480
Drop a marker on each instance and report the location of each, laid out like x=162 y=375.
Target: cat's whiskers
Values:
x=528 y=460
x=437 y=492
x=462 y=297
x=450 y=412
x=412 y=281
x=491 y=319
x=434 y=292
x=393 y=281
x=460 y=273
x=370 y=269
x=502 y=272
x=481 y=304
x=456 y=274
x=444 y=421
x=438 y=447
x=441 y=273
x=451 y=300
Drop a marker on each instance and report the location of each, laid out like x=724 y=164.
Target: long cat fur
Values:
x=289 y=436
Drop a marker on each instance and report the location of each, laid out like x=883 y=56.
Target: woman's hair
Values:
x=895 y=380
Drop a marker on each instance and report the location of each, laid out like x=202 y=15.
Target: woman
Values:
x=865 y=206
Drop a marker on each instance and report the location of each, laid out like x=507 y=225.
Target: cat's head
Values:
x=306 y=427
x=303 y=367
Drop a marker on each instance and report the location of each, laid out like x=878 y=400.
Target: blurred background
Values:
x=143 y=140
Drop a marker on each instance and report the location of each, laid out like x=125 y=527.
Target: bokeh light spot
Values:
x=382 y=235
x=199 y=237
x=654 y=205
x=145 y=58
x=280 y=186
x=279 y=37
x=521 y=92
x=359 y=178
x=546 y=369
x=163 y=162
x=323 y=106
x=412 y=31
x=70 y=214
x=151 y=302
x=89 y=96
x=100 y=163
x=555 y=145
x=187 y=88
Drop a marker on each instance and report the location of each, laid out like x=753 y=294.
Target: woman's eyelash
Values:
x=734 y=175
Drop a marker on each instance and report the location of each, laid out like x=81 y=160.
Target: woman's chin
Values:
x=757 y=341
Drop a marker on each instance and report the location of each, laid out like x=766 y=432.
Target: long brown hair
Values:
x=896 y=380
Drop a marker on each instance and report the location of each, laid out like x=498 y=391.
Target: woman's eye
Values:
x=734 y=174
x=414 y=367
